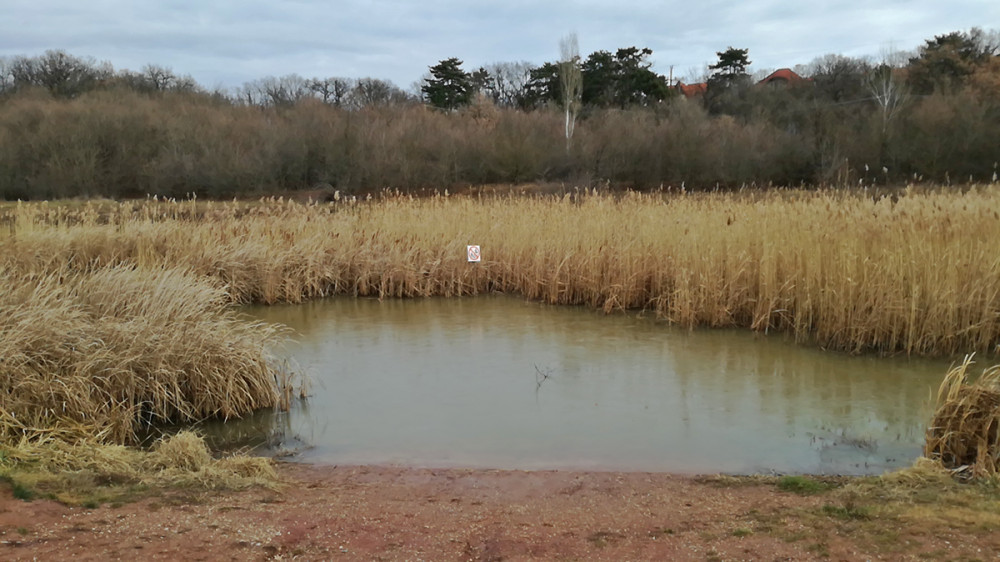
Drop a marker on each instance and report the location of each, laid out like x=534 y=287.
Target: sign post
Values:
x=474 y=254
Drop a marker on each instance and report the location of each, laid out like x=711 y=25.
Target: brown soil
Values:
x=391 y=513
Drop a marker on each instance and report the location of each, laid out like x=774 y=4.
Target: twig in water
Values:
x=541 y=377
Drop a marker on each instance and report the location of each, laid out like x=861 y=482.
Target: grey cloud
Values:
x=227 y=43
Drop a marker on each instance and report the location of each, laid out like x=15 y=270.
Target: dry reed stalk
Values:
x=964 y=434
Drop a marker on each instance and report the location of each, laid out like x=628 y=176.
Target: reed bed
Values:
x=103 y=353
x=918 y=273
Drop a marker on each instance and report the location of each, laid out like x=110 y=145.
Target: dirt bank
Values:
x=391 y=513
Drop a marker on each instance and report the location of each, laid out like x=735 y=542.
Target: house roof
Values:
x=691 y=90
x=782 y=75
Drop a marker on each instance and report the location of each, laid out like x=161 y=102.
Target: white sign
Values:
x=474 y=255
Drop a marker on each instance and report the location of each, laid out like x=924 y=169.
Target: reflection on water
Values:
x=499 y=382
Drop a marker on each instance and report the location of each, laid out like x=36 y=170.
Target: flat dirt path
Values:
x=391 y=513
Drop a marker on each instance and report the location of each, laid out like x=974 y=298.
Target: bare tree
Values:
x=6 y=78
x=571 y=81
x=333 y=90
x=695 y=75
x=890 y=94
x=839 y=78
x=159 y=78
x=370 y=92
x=249 y=94
x=507 y=81
x=132 y=80
x=186 y=83
x=60 y=73
x=273 y=91
x=987 y=41
x=887 y=89
x=286 y=90
x=154 y=79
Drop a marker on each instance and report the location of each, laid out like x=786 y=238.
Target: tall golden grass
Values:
x=964 y=434
x=918 y=273
x=103 y=354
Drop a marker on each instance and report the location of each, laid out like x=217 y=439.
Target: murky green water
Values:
x=499 y=382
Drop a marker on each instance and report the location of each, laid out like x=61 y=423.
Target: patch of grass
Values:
x=82 y=489
x=796 y=536
x=18 y=489
x=821 y=549
x=742 y=532
x=884 y=513
x=22 y=492
x=91 y=474
x=926 y=494
x=731 y=481
x=802 y=485
x=851 y=507
x=600 y=539
x=661 y=531
x=847 y=512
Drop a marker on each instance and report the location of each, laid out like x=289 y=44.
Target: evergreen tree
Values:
x=947 y=61
x=449 y=87
x=729 y=83
x=732 y=66
x=600 y=81
x=637 y=84
x=622 y=80
x=543 y=86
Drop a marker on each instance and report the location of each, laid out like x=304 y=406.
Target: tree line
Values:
x=621 y=79
x=74 y=126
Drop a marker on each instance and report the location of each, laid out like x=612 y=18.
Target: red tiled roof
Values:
x=786 y=75
x=782 y=74
x=691 y=90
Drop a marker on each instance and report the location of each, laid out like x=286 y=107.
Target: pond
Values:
x=498 y=382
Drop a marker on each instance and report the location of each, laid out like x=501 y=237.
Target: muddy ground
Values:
x=393 y=513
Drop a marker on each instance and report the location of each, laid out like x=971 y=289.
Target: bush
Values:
x=119 y=143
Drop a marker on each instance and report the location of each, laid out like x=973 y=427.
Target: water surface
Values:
x=498 y=382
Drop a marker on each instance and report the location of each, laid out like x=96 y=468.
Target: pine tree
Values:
x=450 y=87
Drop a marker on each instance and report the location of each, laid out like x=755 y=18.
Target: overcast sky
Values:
x=226 y=43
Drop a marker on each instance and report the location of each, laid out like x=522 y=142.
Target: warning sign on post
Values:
x=474 y=255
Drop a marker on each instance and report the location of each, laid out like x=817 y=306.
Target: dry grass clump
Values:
x=926 y=496
x=98 y=344
x=104 y=354
x=964 y=435
x=78 y=471
x=184 y=458
x=923 y=472
x=185 y=451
